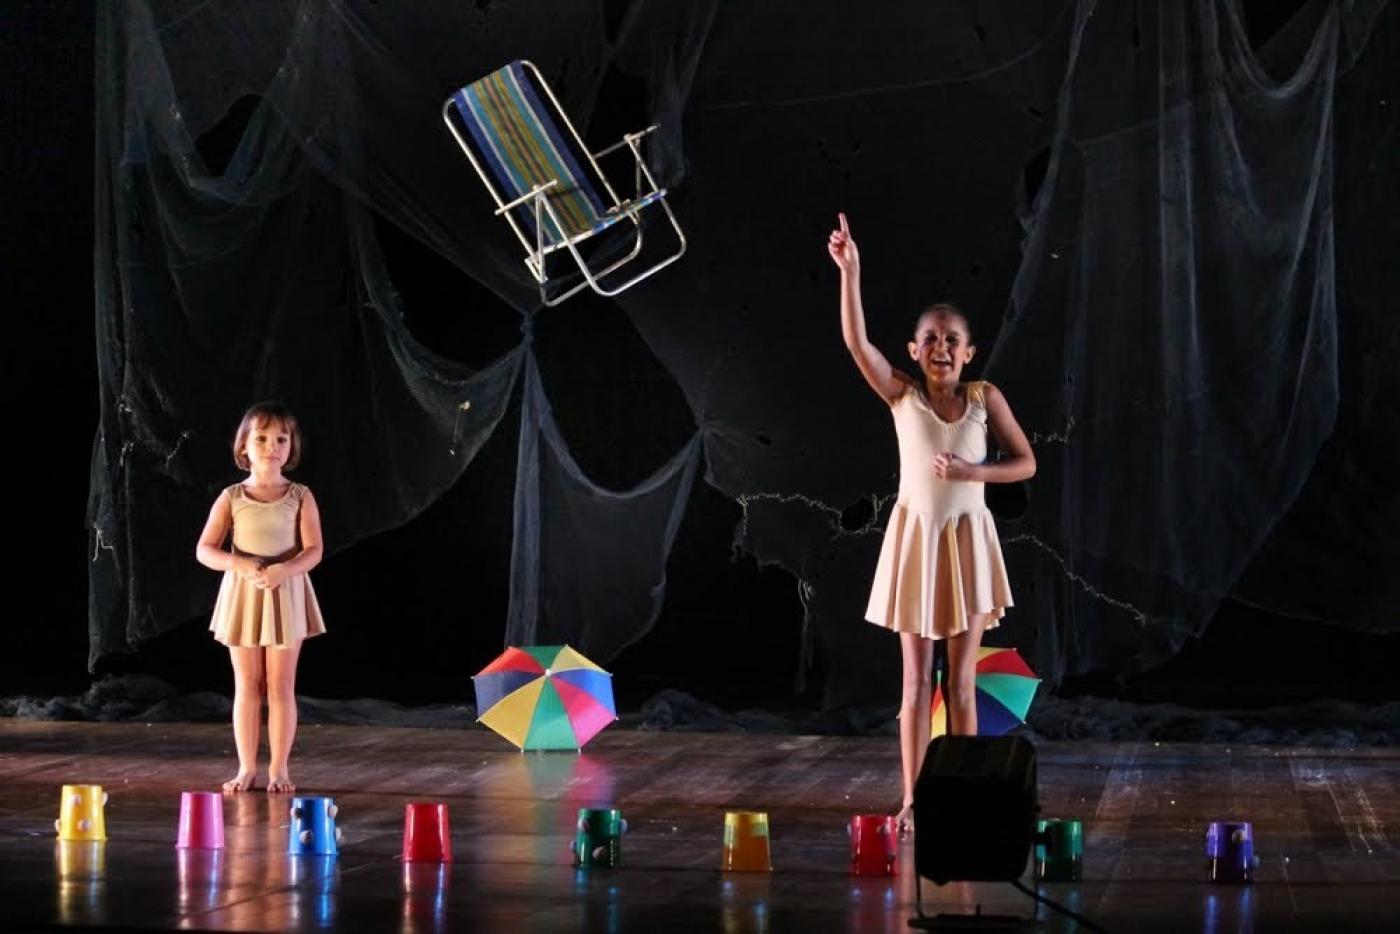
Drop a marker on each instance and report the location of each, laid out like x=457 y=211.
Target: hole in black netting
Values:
x=764 y=439
x=1008 y=500
x=620 y=410
x=857 y=515
x=622 y=107
x=981 y=32
x=717 y=600
x=446 y=310
x=1033 y=175
x=217 y=144
x=1264 y=18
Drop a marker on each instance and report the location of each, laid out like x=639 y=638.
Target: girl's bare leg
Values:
x=913 y=717
x=247 y=714
x=961 y=690
x=281 y=714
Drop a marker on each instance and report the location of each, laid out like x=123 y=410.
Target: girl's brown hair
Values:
x=949 y=309
x=259 y=416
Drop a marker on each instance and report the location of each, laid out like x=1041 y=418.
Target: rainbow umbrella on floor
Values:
x=544 y=697
x=1005 y=686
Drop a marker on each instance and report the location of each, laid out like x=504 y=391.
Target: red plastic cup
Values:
x=874 y=844
x=201 y=821
x=426 y=836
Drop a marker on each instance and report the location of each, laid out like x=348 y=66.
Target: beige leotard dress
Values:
x=941 y=560
x=245 y=616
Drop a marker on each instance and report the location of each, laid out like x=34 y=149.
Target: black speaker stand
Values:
x=973 y=922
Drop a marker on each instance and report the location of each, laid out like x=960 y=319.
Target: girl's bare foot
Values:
x=280 y=784
x=245 y=780
x=904 y=820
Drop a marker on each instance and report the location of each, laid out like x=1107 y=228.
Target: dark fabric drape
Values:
x=1134 y=205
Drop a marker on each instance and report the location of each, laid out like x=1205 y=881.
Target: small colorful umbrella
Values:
x=1004 y=688
x=544 y=697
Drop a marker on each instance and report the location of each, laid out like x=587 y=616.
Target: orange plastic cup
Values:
x=746 y=842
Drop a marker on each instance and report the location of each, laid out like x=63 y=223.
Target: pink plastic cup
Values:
x=201 y=821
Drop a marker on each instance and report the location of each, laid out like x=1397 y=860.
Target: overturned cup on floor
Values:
x=874 y=844
x=746 y=846
x=1059 y=850
x=1230 y=852
x=427 y=837
x=313 y=830
x=598 y=841
x=201 y=821
x=81 y=813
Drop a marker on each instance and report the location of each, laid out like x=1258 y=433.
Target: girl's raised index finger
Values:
x=844 y=228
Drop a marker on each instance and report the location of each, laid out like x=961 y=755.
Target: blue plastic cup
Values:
x=313 y=831
x=1230 y=851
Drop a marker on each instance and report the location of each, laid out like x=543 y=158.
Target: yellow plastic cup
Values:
x=80 y=813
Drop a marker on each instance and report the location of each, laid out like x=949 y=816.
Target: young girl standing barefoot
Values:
x=266 y=606
x=940 y=574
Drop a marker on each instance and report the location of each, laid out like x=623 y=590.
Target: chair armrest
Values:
x=627 y=140
x=528 y=196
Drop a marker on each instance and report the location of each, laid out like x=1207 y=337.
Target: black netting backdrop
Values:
x=588 y=565
x=1137 y=208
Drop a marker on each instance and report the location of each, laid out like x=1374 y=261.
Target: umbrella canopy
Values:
x=544 y=697
x=1004 y=686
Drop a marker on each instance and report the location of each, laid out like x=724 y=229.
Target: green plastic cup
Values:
x=598 y=842
x=1059 y=850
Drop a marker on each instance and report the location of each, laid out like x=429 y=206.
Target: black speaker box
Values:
x=975 y=809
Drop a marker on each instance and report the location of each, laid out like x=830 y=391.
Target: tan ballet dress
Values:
x=941 y=559
x=245 y=616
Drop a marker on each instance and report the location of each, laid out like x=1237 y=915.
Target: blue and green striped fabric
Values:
x=516 y=136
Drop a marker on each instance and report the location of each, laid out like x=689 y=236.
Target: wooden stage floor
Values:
x=1326 y=825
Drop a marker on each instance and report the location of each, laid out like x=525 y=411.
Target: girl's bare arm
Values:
x=887 y=382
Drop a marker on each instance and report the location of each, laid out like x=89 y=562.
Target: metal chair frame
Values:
x=629 y=209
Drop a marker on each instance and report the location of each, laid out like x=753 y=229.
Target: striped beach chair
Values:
x=546 y=183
